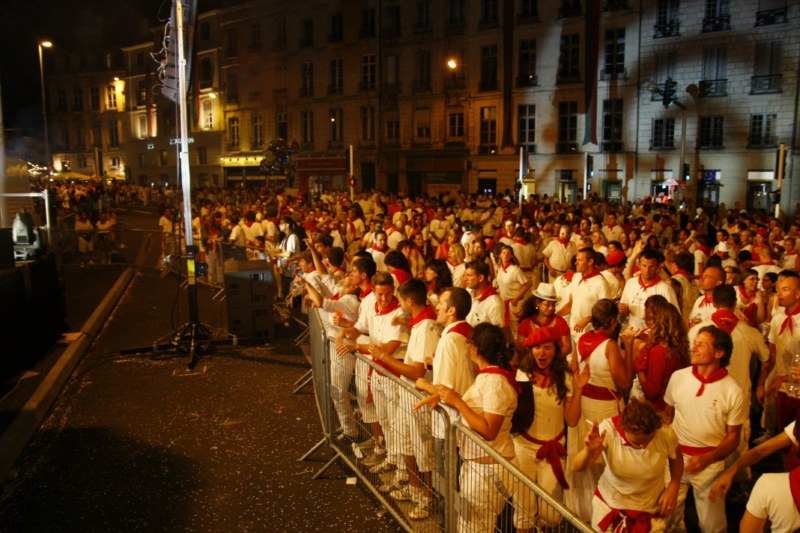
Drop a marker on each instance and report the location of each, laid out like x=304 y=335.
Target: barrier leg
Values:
x=312 y=450
x=303 y=381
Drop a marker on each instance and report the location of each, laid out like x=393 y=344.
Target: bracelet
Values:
x=382 y=356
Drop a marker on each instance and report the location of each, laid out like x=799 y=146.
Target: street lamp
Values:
x=44 y=44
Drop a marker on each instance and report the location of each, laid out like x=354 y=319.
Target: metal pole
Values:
x=683 y=145
x=352 y=174
x=44 y=105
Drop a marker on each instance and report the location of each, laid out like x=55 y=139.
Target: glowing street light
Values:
x=44 y=44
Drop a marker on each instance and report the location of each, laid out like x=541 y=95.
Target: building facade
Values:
x=565 y=98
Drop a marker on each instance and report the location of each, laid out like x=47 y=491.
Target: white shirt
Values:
x=491 y=393
x=635 y=295
x=771 y=499
x=490 y=309
x=586 y=293
x=422 y=341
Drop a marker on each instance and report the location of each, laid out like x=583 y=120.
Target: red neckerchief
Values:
x=611 y=228
x=716 y=375
x=487 y=292
x=589 y=341
x=519 y=240
x=462 y=328
x=708 y=299
x=381 y=250
x=789 y=322
x=546 y=373
x=249 y=223
x=794 y=486
x=617 y=421
x=335 y=297
x=705 y=249
x=546 y=323
x=427 y=313
x=506 y=265
x=564 y=243
x=793 y=252
x=725 y=319
x=646 y=286
x=364 y=292
x=568 y=275
x=589 y=276
x=394 y=304
x=401 y=275
x=508 y=374
x=746 y=296
x=431 y=286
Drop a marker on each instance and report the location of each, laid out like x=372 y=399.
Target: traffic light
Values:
x=687 y=172
x=352 y=181
x=589 y=166
x=669 y=95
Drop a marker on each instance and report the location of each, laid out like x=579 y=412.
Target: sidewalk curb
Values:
x=30 y=417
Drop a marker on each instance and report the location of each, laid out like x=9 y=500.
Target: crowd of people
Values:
x=614 y=353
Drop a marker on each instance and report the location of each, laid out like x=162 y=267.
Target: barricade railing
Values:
x=409 y=459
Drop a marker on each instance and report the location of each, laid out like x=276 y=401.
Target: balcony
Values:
x=615 y=147
x=613 y=72
x=667 y=29
x=421 y=86
x=716 y=23
x=527 y=80
x=306 y=92
x=762 y=141
x=391 y=89
x=566 y=147
x=487 y=85
x=568 y=77
x=713 y=88
x=454 y=83
x=770 y=84
x=335 y=89
x=771 y=16
x=366 y=86
x=615 y=5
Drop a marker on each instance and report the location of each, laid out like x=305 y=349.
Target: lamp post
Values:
x=44 y=44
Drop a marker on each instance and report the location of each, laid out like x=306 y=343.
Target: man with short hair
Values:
x=379 y=249
x=639 y=288
x=587 y=287
x=487 y=306
x=558 y=254
x=784 y=344
x=707 y=409
x=703 y=308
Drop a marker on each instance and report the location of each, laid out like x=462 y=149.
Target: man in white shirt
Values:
x=487 y=306
x=639 y=288
x=703 y=308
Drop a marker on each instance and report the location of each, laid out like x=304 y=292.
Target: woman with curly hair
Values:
x=550 y=396
x=437 y=278
x=657 y=351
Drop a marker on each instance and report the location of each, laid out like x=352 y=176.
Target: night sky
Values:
x=69 y=24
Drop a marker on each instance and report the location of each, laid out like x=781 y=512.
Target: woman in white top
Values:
x=486 y=407
x=632 y=493
x=610 y=372
x=550 y=396
x=455 y=260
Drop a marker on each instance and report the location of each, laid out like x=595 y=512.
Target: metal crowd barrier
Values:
x=365 y=410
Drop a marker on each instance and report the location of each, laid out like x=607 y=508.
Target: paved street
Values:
x=140 y=443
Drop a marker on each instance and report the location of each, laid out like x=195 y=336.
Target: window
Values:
x=368 y=123
x=141 y=93
x=455 y=125
x=307 y=127
x=141 y=126
x=663 y=134
x=208 y=114
x=488 y=80
x=612 y=125
x=667 y=19
x=307 y=81
x=717 y=15
x=423 y=22
x=61 y=100
x=526 y=131
x=233 y=86
x=422 y=71
x=771 y=12
x=337 y=28
x=567 y=127
x=368 y=70
x=762 y=130
x=82 y=161
x=282 y=124
x=94 y=98
x=456 y=18
x=614 y=68
x=391 y=74
x=77 y=99
x=569 y=59
x=528 y=10
x=202 y=155
x=490 y=17
x=205 y=31
x=337 y=125
x=206 y=73
x=111 y=97
x=422 y=125
x=391 y=22
x=279 y=43
x=393 y=129
x=488 y=133
x=231 y=44
x=336 y=85
x=664 y=68
x=307 y=32
x=80 y=139
x=767 y=70
x=570 y=8
x=233 y=132
x=255 y=37
x=710 y=132
x=368 y=23
x=527 y=63
x=115 y=162
x=257 y=135
x=65 y=139
x=163 y=158
x=714 y=82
